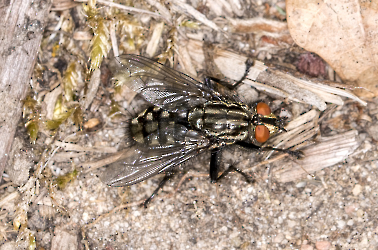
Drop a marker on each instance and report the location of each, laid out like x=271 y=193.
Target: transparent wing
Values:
x=160 y=85
x=141 y=162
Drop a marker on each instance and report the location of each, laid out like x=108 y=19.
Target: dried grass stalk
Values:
x=326 y=152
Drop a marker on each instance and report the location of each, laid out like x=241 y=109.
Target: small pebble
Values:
x=278 y=238
x=341 y=224
x=306 y=247
x=350 y=223
x=357 y=190
x=323 y=245
x=351 y=209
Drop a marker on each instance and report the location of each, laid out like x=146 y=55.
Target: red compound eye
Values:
x=261 y=133
x=263 y=109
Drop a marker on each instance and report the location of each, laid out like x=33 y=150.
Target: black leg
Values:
x=161 y=185
x=214 y=168
x=208 y=80
x=243 y=144
x=248 y=64
x=214 y=164
x=233 y=168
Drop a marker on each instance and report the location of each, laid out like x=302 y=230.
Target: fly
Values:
x=186 y=118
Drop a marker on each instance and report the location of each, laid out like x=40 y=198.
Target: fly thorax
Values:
x=225 y=121
x=195 y=118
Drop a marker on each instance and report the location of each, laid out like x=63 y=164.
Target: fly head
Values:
x=264 y=123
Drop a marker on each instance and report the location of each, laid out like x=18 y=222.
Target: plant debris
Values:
x=77 y=123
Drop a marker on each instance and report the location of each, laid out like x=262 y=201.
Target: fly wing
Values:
x=162 y=86
x=140 y=162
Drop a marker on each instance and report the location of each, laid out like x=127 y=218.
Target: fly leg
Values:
x=214 y=164
x=248 y=64
x=214 y=168
x=233 y=168
x=161 y=185
x=214 y=158
x=297 y=154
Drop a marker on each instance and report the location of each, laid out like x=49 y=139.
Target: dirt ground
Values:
x=52 y=197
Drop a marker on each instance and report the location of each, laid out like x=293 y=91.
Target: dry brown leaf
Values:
x=343 y=33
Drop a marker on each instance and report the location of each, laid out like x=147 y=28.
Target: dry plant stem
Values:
x=186 y=61
x=50 y=100
x=127 y=8
x=258 y=25
x=75 y=147
x=320 y=87
x=280 y=84
x=65 y=156
x=8 y=198
x=84 y=239
x=21 y=32
x=44 y=155
x=41 y=195
x=93 y=87
x=299 y=133
x=304 y=95
x=261 y=163
x=162 y=9
x=6 y=185
x=302 y=120
x=271 y=90
x=89 y=166
x=327 y=152
x=186 y=9
x=63 y=5
x=113 y=39
x=155 y=38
